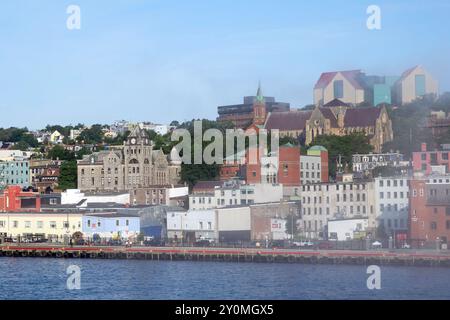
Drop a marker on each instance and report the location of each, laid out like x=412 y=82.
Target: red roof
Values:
x=407 y=73
x=350 y=75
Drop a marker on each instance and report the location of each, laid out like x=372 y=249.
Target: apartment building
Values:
x=343 y=200
x=392 y=203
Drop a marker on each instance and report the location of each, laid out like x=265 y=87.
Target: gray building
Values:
x=135 y=165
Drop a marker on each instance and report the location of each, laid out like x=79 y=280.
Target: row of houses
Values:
x=412 y=209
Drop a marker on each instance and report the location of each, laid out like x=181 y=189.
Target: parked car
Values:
x=325 y=246
x=153 y=242
x=202 y=243
x=406 y=246
x=302 y=244
x=279 y=244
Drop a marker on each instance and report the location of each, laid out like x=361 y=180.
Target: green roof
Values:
x=318 y=148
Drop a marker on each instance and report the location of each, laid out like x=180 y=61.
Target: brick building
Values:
x=13 y=199
x=424 y=160
x=429 y=215
x=253 y=110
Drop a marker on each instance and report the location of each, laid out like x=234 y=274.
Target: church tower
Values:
x=259 y=108
x=137 y=154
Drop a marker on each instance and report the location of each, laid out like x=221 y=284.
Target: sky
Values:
x=164 y=60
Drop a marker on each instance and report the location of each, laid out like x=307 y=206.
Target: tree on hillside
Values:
x=58 y=152
x=409 y=126
x=191 y=173
x=344 y=146
x=93 y=135
x=68 y=175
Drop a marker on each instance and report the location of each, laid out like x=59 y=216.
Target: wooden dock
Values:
x=242 y=255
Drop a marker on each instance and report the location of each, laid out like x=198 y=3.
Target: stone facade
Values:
x=135 y=165
x=334 y=118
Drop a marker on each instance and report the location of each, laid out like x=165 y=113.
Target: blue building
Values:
x=14 y=172
x=110 y=225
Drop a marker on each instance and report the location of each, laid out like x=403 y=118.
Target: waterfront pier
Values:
x=238 y=255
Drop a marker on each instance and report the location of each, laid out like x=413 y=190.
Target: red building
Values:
x=286 y=168
x=13 y=199
x=429 y=214
x=424 y=160
x=289 y=165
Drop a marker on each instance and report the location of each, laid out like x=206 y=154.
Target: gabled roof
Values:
x=350 y=75
x=327 y=113
x=287 y=120
x=336 y=103
x=407 y=73
x=361 y=117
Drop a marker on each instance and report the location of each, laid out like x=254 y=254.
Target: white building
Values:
x=234 y=224
x=323 y=202
x=236 y=194
x=82 y=199
x=368 y=162
x=392 y=202
x=11 y=155
x=196 y=223
x=347 y=229
x=278 y=229
x=310 y=169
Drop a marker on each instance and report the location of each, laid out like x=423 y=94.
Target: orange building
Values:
x=429 y=214
x=13 y=199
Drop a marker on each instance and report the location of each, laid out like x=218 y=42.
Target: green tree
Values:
x=68 y=175
x=381 y=232
x=191 y=173
x=21 y=145
x=58 y=152
x=93 y=135
x=291 y=225
x=344 y=147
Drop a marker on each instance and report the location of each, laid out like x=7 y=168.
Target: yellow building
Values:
x=414 y=83
x=347 y=86
x=52 y=226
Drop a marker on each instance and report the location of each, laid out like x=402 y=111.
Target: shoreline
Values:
x=343 y=257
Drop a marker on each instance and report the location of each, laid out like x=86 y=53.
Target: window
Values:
x=15 y=224
x=52 y=224
x=27 y=224
x=338 y=87
x=117 y=223
x=433 y=225
x=420 y=85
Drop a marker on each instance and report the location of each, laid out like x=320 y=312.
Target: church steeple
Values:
x=259 y=94
x=259 y=107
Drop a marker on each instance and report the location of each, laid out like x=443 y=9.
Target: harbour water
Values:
x=41 y=278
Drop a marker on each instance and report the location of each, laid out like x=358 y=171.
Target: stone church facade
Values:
x=334 y=118
x=135 y=165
